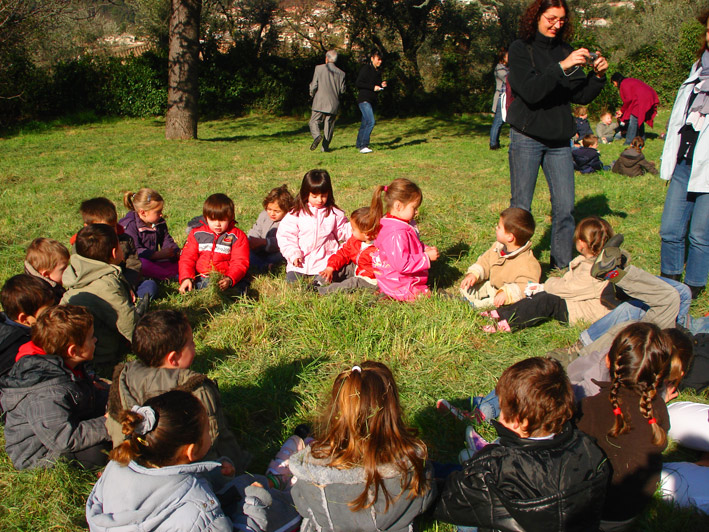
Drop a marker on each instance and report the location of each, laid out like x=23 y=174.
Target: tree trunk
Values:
x=183 y=70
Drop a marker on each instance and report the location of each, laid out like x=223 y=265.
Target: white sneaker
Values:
x=365 y=150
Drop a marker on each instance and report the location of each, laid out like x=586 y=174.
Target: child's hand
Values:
x=468 y=281
x=671 y=393
x=186 y=286
x=500 y=299
x=327 y=274
x=533 y=288
x=228 y=469
x=432 y=252
x=298 y=263
x=224 y=283
x=164 y=253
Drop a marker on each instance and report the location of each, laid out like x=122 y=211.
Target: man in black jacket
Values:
x=544 y=474
x=369 y=82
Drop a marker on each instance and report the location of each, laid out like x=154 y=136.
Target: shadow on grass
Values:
x=596 y=205
x=442 y=273
x=257 y=413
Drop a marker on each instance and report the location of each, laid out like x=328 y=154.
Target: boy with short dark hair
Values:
x=164 y=345
x=544 y=474
x=501 y=274
x=587 y=159
x=94 y=280
x=53 y=410
x=47 y=259
x=103 y=211
x=215 y=245
x=23 y=298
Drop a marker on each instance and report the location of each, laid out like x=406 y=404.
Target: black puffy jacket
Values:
x=529 y=485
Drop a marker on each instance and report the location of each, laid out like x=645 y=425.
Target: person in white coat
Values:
x=685 y=163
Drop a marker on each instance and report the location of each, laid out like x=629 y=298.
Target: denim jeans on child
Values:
x=685 y=210
x=634 y=310
x=496 y=125
x=526 y=155
x=365 y=129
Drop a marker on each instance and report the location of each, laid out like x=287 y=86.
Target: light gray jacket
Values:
x=173 y=498
x=327 y=86
x=322 y=493
x=266 y=228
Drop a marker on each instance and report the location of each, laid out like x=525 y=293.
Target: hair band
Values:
x=651 y=421
x=149 y=419
x=142 y=441
x=386 y=187
x=617 y=411
x=356 y=368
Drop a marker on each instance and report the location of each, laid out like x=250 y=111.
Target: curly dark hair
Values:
x=530 y=19
x=703 y=18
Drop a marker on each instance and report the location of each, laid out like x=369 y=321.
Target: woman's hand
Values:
x=600 y=65
x=574 y=59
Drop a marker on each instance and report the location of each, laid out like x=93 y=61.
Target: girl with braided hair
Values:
x=629 y=420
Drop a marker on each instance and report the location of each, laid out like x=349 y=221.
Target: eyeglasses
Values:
x=554 y=20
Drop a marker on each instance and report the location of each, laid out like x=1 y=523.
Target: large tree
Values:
x=183 y=70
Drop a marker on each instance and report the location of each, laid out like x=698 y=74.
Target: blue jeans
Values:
x=496 y=125
x=635 y=310
x=685 y=210
x=526 y=156
x=365 y=130
x=633 y=130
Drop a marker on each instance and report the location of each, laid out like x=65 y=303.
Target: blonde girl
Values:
x=313 y=230
x=366 y=470
x=629 y=420
x=402 y=261
x=145 y=224
x=571 y=298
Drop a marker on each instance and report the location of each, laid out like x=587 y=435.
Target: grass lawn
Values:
x=276 y=352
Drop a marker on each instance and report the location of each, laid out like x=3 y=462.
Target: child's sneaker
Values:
x=278 y=467
x=500 y=326
x=473 y=440
x=490 y=314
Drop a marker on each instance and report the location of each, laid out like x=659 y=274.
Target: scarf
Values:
x=700 y=106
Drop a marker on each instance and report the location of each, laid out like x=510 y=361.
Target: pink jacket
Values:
x=400 y=264
x=312 y=238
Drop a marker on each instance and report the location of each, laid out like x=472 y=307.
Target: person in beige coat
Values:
x=501 y=274
x=575 y=296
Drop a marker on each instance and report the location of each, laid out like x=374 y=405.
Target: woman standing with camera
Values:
x=546 y=77
x=685 y=162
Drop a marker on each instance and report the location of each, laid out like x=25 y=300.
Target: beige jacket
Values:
x=587 y=298
x=509 y=273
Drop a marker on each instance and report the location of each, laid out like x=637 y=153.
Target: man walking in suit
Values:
x=327 y=86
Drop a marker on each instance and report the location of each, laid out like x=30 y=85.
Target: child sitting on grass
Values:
x=544 y=474
x=47 y=259
x=501 y=274
x=632 y=162
x=571 y=298
x=54 y=409
x=262 y=236
x=164 y=346
x=23 y=298
x=583 y=128
x=145 y=224
x=215 y=245
x=351 y=266
x=94 y=280
x=606 y=130
x=586 y=158
x=103 y=211
x=366 y=470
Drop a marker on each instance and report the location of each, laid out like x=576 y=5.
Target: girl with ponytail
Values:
x=629 y=420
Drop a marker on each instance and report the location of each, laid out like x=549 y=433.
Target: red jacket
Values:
x=639 y=99
x=353 y=251
x=205 y=251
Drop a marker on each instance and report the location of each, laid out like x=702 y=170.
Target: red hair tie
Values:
x=617 y=411
x=386 y=187
x=651 y=421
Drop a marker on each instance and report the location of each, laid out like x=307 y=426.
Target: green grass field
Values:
x=276 y=352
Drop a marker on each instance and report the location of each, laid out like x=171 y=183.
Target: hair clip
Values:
x=142 y=441
x=651 y=421
x=148 y=200
x=386 y=187
x=617 y=411
x=356 y=368
x=149 y=419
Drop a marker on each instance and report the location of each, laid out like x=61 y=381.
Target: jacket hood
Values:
x=28 y=372
x=136 y=494
x=28 y=349
x=510 y=438
x=632 y=154
x=317 y=470
x=82 y=271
